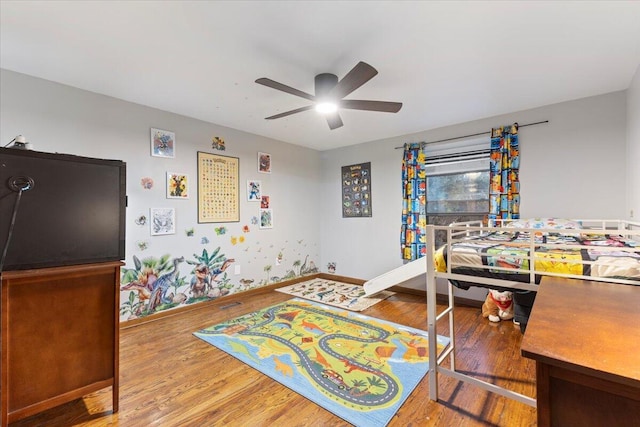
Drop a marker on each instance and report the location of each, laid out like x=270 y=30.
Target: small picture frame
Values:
x=217 y=143
x=264 y=162
x=163 y=143
x=163 y=221
x=254 y=190
x=266 y=218
x=177 y=185
x=264 y=202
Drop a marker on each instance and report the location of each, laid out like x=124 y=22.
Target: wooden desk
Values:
x=60 y=329
x=585 y=339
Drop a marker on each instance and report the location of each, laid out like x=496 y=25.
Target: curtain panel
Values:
x=504 y=187
x=414 y=202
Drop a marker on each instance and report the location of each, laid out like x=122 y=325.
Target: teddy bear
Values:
x=498 y=305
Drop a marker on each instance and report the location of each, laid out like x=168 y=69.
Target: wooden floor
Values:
x=170 y=378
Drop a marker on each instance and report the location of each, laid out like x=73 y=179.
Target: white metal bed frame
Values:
x=460 y=231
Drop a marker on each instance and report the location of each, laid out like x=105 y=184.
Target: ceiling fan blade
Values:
x=359 y=75
x=284 y=88
x=384 y=106
x=334 y=120
x=288 y=113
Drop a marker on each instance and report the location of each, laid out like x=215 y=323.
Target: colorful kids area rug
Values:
x=360 y=368
x=338 y=294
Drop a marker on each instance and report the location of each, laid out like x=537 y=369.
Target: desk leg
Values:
x=542 y=394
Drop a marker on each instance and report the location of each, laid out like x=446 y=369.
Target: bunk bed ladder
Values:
x=432 y=318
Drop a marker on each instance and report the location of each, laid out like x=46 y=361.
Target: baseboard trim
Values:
x=225 y=300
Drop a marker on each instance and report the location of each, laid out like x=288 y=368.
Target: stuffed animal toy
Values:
x=498 y=306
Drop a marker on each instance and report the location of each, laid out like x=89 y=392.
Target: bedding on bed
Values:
x=505 y=255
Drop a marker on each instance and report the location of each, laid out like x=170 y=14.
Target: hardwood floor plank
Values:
x=168 y=377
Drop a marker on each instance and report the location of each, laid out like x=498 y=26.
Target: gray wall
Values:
x=581 y=164
x=574 y=166
x=59 y=118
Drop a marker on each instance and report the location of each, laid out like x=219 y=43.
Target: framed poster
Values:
x=163 y=221
x=218 y=188
x=356 y=190
x=177 y=186
x=266 y=218
x=264 y=162
x=254 y=190
x=163 y=143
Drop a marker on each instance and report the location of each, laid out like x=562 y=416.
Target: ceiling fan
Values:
x=329 y=94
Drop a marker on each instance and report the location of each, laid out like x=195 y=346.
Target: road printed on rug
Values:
x=355 y=362
x=329 y=379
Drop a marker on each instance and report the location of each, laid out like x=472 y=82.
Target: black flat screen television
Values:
x=73 y=213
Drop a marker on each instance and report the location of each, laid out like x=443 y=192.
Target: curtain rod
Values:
x=477 y=134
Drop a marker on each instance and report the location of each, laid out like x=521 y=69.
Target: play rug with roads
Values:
x=360 y=368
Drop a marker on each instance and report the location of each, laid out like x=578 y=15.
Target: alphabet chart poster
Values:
x=218 y=188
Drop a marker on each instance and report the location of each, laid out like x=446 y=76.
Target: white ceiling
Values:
x=448 y=62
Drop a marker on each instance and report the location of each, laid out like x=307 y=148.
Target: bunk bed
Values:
x=514 y=255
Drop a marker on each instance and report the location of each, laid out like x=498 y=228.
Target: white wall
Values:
x=58 y=118
x=633 y=148
x=574 y=166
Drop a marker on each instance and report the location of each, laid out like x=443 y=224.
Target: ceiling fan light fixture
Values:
x=326 y=107
x=330 y=93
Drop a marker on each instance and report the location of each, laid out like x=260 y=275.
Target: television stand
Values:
x=60 y=332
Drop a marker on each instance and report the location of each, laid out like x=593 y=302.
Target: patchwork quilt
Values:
x=503 y=255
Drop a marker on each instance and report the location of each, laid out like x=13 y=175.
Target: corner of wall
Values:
x=633 y=147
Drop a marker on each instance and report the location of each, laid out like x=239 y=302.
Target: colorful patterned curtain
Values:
x=414 y=202
x=504 y=191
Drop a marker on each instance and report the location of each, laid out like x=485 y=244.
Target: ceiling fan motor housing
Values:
x=324 y=83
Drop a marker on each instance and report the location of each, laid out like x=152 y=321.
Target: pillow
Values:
x=552 y=223
x=518 y=223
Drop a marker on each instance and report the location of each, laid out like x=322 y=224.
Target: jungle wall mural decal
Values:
x=155 y=284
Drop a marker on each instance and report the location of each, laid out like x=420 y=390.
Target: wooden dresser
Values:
x=60 y=331
x=585 y=339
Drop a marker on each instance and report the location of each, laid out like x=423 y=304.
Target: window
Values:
x=457 y=183
x=458 y=193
